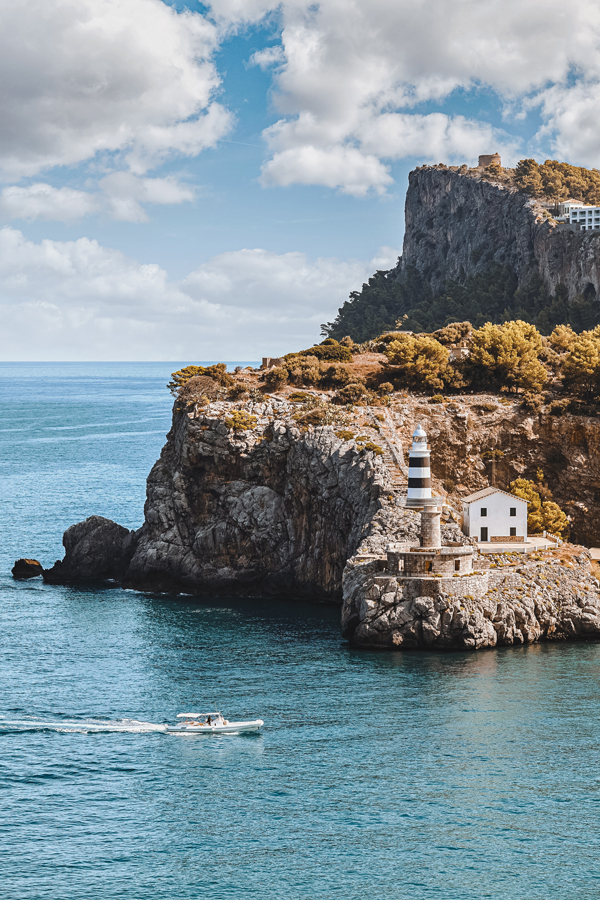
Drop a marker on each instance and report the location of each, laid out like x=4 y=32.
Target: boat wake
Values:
x=85 y=727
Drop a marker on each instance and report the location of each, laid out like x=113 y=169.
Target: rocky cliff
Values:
x=457 y=224
x=271 y=509
x=290 y=508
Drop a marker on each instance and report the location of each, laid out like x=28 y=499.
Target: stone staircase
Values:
x=391 y=445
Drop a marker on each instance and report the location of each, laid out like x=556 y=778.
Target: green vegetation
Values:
x=557 y=181
x=239 y=420
x=370 y=447
x=513 y=358
x=217 y=373
x=542 y=515
x=406 y=301
x=325 y=365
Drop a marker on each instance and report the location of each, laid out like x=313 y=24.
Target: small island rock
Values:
x=27 y=568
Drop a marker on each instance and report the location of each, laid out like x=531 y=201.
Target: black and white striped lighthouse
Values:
x=419 y=491
x=419 y=471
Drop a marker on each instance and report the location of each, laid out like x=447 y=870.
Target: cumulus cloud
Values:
x=88 y=76
x=80 y=300
x=350 y=77
x=42 y=201
x=125 y=193
x=341 y=167
x=120 y=198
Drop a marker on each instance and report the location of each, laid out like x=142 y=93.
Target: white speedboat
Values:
x=211 y=723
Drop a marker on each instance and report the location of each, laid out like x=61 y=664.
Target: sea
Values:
x=400 y=775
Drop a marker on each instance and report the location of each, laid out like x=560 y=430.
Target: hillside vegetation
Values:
x=393 y=299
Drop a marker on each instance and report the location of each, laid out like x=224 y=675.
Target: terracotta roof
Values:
x=486 y=492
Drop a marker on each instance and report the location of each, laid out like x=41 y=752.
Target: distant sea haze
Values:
x=399 y=775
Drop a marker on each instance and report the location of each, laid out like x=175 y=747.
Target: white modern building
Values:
x=492 y=515
x=587 y=218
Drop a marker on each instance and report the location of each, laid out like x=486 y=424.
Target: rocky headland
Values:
x=277 y=505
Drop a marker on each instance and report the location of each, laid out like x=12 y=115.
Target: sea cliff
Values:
x=291 y=509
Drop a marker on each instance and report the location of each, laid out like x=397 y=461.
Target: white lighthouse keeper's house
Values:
x=494 y=516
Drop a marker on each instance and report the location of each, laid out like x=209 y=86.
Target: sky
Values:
x=210 y=181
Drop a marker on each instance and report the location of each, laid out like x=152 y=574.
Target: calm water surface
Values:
x=377 y=775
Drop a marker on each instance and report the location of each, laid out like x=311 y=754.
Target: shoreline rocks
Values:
x=26 y=568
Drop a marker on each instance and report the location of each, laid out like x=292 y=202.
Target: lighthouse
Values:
x=419 y=471
x=419 y=490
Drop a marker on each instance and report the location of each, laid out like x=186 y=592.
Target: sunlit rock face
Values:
x=457 y=224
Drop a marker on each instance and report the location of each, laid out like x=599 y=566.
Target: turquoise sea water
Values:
x=377 y=775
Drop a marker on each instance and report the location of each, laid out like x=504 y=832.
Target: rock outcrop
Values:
x=26 y=568
x=269 y=509
x=456 y=225
x=95 y=550
x=517 y=601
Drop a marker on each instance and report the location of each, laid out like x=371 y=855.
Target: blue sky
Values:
x=208 y=181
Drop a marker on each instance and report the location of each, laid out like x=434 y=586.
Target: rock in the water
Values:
x=27 y=568
x=96 y=550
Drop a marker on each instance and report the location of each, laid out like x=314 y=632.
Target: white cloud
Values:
x=336 y=167
x=42 y=201
x=121 y=198
x=125 y=193
x=86 y=76
x=572 y=121
x=80 y=300
x=352 y=74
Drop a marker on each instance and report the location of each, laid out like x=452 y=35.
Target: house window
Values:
x=457 y=565
x=513 y=510
x=513 y=532
x=484 y=511
x=428 y=566
x=484 y=534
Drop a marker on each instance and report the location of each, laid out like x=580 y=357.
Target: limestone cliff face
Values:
x=270 y=509
x=456 y=225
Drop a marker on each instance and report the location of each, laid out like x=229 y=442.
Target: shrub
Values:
x=198 y=387
x=344 y=435
x=299 y=396
x=506 y=356
x=559 y=407
x=335 y=375
x=304 y=370
x=351 y=393
x=240 y=420
x=450 y=486
x=370 y=447
x=276 y=377
x=420 y=361
x=437 y=398
x=386 y=388
x=546 y=516
x=489 y=455
x=532 y=402
x=581 y=367
x=217 y=373
x=328 y=350
x=488 y=407
x=237 y=392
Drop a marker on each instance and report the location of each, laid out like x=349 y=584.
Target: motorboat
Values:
x=211 y=723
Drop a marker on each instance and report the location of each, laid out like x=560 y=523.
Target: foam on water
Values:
x=130 y=726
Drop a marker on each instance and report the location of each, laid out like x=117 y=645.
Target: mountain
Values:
x=478 y=249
